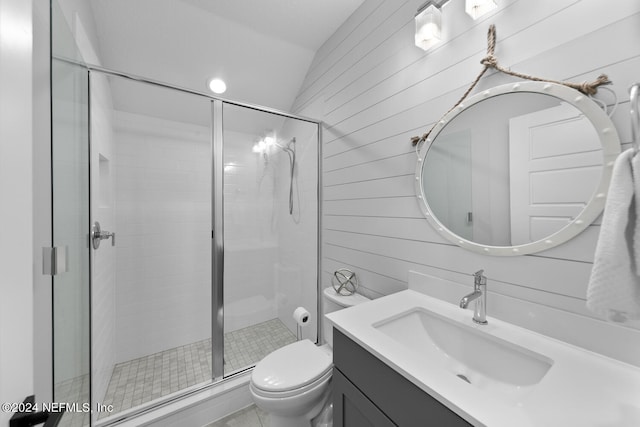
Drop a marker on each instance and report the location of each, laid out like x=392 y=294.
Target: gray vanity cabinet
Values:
x=367 y=392
x=353 y=407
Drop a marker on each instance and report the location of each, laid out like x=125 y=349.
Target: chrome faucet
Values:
x=479 y=295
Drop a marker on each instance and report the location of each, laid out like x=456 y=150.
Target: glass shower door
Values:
x=270 y=211
x=70 y=223
x=151 y=179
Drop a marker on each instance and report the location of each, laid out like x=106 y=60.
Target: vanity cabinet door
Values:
x=392 y=395
x=351 y=408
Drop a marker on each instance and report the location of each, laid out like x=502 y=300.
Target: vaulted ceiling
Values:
x=261 y=48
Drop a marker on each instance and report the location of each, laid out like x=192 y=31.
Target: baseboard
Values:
x=198 y=409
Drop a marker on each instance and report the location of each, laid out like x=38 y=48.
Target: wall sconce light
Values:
x=477 y=8
x=263 y=144
x=259 y=147
x=429 y=24
x=429 y=19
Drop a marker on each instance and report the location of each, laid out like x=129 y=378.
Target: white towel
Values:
x=635 y=167
x=614 y=286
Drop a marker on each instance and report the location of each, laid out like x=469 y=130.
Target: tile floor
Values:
x=251 y=416
x=148 y=378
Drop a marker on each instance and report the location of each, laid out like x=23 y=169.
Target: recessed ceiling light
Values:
x=217 y=85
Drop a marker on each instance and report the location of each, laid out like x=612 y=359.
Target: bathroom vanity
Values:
x=367 y=392
x=409 y=359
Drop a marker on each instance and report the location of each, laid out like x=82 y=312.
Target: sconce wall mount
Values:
x=428 y=19
x=477 y=8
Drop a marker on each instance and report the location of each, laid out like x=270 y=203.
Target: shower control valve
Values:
x=97 y=235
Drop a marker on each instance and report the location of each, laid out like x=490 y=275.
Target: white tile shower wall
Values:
x=249 y=290
x=163 y=226
x=378 y=89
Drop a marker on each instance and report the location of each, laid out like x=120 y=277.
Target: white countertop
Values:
x=582 y=388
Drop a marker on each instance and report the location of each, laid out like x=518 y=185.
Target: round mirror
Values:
x=517 y=169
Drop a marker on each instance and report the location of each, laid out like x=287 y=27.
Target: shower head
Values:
x=287 y=147
x=290 y=149
x=262 y=146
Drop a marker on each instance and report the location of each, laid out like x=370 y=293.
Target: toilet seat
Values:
x=291 y=369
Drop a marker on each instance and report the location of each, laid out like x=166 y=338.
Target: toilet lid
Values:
x=290 y=367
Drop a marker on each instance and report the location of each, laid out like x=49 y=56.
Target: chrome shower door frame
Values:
x=217 y=222
x=217 y=211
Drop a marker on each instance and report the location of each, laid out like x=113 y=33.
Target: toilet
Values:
x=292 y=384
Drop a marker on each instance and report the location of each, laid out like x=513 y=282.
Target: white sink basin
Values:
x=497 y=375
x=480 y=359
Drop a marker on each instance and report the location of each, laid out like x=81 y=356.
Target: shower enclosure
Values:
x=207 y=241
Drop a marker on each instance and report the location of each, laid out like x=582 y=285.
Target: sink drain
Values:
x=462 y=377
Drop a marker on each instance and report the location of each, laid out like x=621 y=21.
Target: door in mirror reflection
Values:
x=555 y=162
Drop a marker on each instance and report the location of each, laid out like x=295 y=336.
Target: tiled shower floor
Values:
x=151 y=377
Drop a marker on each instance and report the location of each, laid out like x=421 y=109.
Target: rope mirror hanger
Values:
x=490 y=61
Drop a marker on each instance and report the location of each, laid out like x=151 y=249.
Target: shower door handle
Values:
x=97 y=235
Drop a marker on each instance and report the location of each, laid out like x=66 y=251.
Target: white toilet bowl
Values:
x=292 y=384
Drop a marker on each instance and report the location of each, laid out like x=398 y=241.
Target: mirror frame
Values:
x=610 y=151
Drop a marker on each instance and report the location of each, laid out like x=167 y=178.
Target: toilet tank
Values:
x=333 y=301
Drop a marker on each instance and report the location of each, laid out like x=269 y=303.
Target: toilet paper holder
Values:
x=301 y=316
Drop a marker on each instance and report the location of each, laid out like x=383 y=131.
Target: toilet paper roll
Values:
x=301 y=316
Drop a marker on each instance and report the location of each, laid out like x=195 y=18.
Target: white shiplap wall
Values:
x=377 y=90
